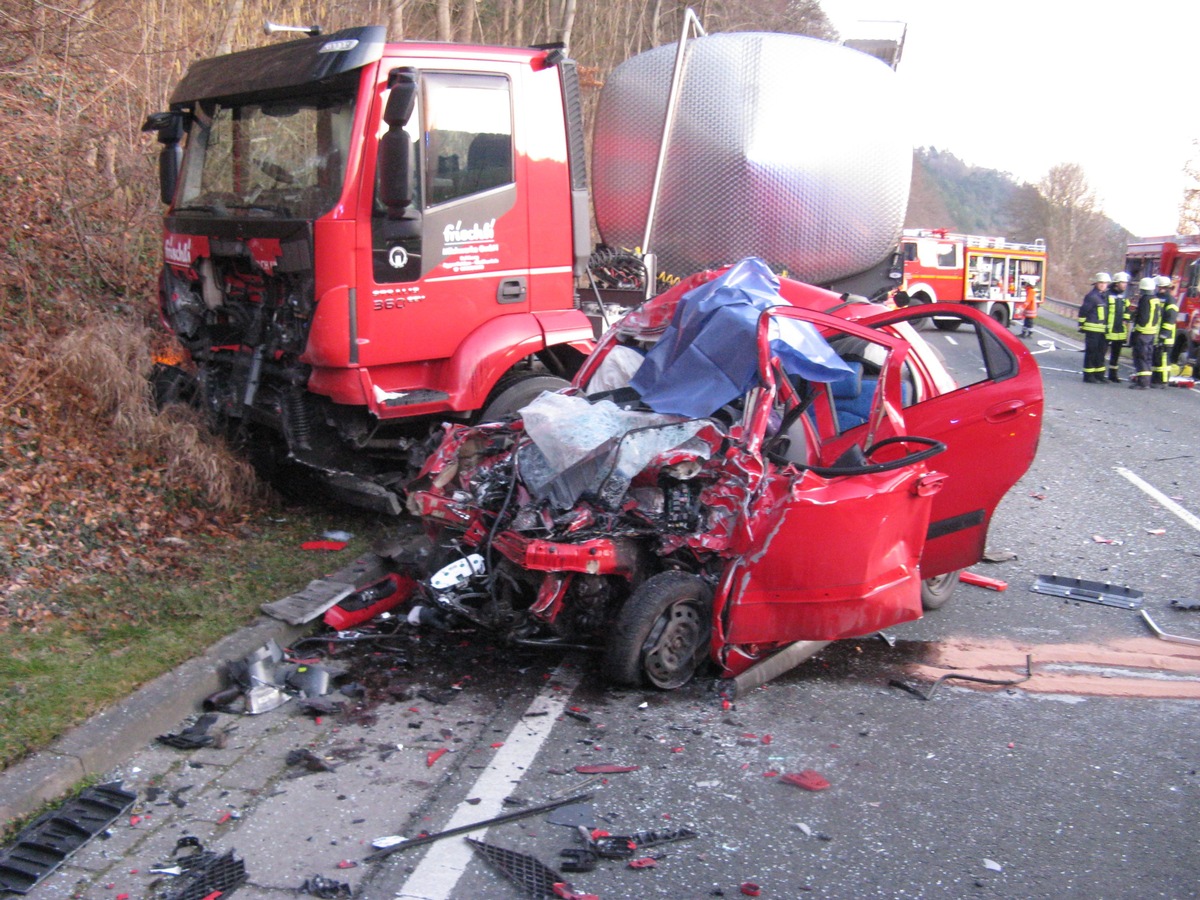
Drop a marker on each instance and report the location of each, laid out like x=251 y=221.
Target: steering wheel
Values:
x=932 y=448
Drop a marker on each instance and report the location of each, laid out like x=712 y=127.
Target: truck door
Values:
x=979 y=391
x=459 y=259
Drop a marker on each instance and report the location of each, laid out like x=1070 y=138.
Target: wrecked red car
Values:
x=745 y=469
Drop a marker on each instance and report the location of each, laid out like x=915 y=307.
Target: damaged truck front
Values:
x=365 y=239
x=735 y=477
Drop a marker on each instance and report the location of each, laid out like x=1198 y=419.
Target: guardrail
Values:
x=1062 y=308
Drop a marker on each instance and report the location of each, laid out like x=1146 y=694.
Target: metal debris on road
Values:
x=895 y=682
x=1173 y=638
x=384 y=851
x=1088 y=591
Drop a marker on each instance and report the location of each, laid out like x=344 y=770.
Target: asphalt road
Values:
x=1080 y=782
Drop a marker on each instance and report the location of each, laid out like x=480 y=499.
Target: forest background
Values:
x=105 y=506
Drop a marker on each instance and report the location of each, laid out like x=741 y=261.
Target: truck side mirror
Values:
x=395 y=152
x=169 y=126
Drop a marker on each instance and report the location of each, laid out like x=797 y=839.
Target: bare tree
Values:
x=395 y=20
x=1189 y=205
x=1077 y=233
x=233 y=12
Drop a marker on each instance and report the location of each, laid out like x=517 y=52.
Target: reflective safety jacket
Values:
x=1116 y=323
x=1170 y=312
x=1093 y=312
x=1147 y=318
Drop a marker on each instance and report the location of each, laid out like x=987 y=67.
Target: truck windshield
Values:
x=280 y=158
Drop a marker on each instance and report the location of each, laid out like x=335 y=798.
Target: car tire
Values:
x=947 y=324
x=937 y=591
x=514 y=392
x=662 y=632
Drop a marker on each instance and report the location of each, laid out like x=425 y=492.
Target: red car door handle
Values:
x=1005 y=410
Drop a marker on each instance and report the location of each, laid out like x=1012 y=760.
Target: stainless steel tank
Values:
x=782 y=147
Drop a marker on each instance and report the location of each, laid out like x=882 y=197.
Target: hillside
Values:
x=949 y=193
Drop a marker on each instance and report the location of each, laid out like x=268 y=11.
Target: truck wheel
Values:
x=947 y=324
x=999 y=312
x=661 y=634
x=512 y=394
x=937 y=591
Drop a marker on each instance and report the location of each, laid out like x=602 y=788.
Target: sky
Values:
x=1023 y=85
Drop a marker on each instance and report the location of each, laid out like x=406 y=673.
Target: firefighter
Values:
x=1147 y=320
x=1166 y=334
x=1031 y=309
x=1116 y=324
x=1093 y=314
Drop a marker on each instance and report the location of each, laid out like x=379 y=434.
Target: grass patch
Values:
x=117 y=632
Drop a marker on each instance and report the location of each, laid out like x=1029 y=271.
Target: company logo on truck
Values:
x=473 y=246
x=178 y=250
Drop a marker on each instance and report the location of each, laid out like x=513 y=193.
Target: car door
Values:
x=830 y=553
x=968 y=383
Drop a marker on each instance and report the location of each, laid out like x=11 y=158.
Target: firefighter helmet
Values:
x=1146 y=284
x=1121 y=278
x=1162 y=280
x=1101 y=278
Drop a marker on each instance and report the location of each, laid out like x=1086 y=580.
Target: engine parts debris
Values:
x=1173 y=638
x=895 y=682
x=384 y=851
x=52 y=837
x=1088 y=591
x=1181 y=603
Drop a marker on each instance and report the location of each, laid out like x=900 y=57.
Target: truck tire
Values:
x=947 y=324
x=662 y=632
x=937 y=591
x=514 y=392
x=999 y=312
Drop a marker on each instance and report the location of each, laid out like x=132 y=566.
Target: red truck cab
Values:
x=366 y=238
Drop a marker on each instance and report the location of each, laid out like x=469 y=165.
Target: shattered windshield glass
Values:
x=282 y=158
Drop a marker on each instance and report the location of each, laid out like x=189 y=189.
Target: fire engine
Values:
x=1177 y=256
x=989 y=273
x=365 y=240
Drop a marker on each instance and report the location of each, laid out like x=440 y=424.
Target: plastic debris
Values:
x=983 y=581
x=52 y=837
x=193 y=737
x=992 y=865
x=750 y=889
x=324 y=546
x=435 y=755
x=808 y=779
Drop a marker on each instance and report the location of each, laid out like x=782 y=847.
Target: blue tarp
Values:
x=708 y=356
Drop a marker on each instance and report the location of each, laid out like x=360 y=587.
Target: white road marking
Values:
x=1166 y=502
x=439 y=872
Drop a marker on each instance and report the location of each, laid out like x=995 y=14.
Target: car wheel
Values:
x=661 y=634
x=513 y=393
x=937 y=591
